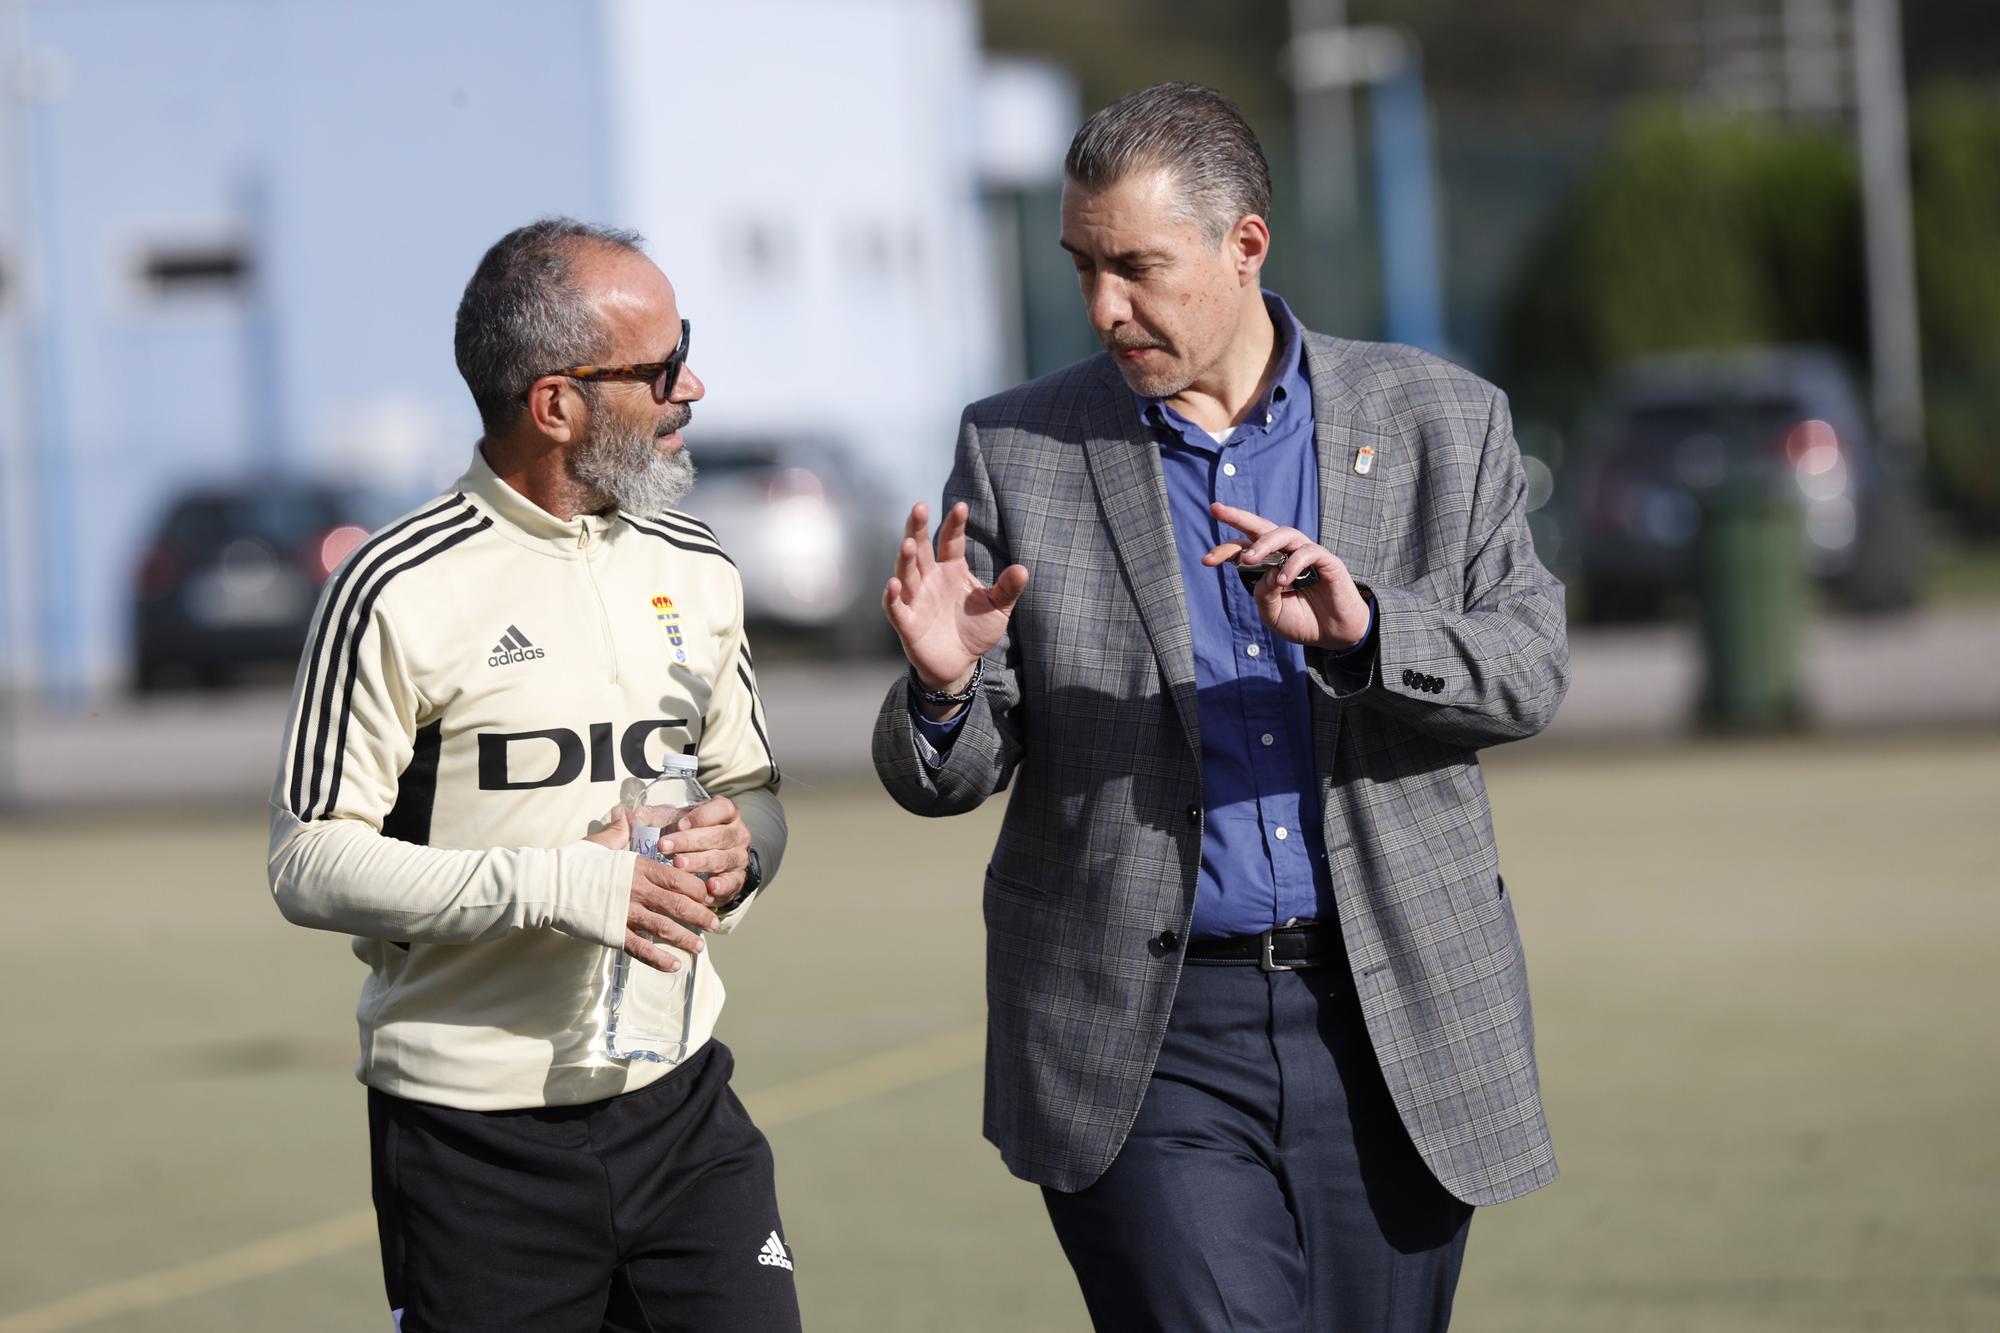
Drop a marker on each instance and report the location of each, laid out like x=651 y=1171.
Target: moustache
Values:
x=677 y=418
x=1132 y=344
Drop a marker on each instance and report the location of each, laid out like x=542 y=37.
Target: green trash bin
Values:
x=1754 y=597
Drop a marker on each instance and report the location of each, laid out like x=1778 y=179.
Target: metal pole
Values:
x=44 y=390
x=1885 y=210
x=1412 y=288
x=1389 y=63
x=14 y=558
x=263 y=366
x=1324 y=116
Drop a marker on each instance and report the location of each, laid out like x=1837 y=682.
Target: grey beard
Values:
x=1158 y=384
x=626 y=469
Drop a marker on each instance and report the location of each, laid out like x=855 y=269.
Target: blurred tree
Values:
x=1694 y=231
x=1709 y=231
x=1525 y=55
x=1551 y=55
x=1115 y=46
x=1572 y=243
x=1947 y=41
x=1955 y=166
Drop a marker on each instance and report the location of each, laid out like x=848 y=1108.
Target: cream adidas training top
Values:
x=481 y=681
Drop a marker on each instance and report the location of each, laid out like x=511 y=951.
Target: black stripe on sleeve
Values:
x=331 y=614
x=349 y=625
x=685 y=541
x=354 y=649
x=756 y=705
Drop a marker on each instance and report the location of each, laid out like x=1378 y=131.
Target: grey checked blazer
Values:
x=1088 y=711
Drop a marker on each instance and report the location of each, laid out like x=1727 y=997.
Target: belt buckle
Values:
x=1267 y=963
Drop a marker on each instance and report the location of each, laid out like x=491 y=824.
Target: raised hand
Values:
x=1330 y=613
x=946 y=618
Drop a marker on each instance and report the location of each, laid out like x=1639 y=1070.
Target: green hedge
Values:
x=1713 y=231
x=1955 y=169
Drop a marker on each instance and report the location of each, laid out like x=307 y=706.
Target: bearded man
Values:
x=483 y=680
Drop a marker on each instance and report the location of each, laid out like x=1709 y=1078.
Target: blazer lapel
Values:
x=1350 y=512
x=1352 y=456
x=1124 y=464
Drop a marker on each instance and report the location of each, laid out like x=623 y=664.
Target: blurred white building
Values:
x=233 y=234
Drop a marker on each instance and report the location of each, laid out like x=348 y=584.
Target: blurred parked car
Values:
x=1674 y=427
x=230 y=578
x=812 y=536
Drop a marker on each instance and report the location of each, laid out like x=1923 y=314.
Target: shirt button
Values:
x=1281 y=833
x=1267 y=418
x=1253 y=650
x=1229 y=469
x=1267 y=739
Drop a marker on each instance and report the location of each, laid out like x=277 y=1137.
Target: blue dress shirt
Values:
x=1263 y=860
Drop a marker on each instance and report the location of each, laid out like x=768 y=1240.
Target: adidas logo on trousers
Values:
x=773 y=1254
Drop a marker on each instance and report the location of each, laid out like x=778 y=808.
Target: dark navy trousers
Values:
x=1268 y=1183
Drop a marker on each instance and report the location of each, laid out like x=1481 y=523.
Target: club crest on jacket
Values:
x=670 y=621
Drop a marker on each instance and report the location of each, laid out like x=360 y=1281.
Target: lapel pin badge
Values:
x=1364 y=461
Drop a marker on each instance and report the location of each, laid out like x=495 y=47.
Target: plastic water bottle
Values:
x=647 y=1014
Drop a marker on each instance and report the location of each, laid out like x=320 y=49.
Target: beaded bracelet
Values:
x=943 y=699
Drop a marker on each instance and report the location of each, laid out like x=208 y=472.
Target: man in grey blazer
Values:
x=1258 y=1017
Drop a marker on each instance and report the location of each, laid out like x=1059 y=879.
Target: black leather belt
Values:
x=1280 y=949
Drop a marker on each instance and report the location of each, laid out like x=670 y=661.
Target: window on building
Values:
x=172 y=270
x=763 y=251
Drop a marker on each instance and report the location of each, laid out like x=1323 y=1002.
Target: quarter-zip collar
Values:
x=526 y=523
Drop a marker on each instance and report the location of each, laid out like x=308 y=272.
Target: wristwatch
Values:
x=753 y=879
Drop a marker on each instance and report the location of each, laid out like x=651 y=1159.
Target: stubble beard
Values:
x=1163 y=381
x=622 y=466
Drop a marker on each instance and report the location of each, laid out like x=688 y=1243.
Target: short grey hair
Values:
x=1195 y=134
x=523 y=314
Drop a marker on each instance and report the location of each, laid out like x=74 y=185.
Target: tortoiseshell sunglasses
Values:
x=662 y=374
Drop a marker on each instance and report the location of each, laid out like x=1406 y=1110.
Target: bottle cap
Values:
x=680 y=763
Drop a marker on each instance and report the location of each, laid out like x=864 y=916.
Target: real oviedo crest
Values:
x=669 y=617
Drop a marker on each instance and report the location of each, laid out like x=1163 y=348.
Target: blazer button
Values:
x=1194 y=815
x=1409 y=676
x=1165 y=943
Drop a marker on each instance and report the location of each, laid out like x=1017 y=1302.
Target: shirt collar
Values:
x=521 y=517
x=1288 y=386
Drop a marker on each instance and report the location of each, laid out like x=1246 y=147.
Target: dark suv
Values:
x=231 y=575
x=1671 y=428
